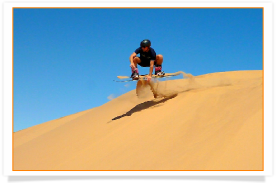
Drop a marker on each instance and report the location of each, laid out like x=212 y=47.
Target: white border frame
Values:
x=8 y=74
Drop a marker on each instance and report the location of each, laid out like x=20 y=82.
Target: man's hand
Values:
x=132 y=65
x=149 y=78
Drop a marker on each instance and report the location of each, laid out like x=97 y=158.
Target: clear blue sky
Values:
x=65 y=60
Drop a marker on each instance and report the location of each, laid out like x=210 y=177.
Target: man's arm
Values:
x=153 y=58
x=151 y=67
x=131 y=57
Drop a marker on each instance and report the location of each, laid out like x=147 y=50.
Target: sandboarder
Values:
x=148 y=58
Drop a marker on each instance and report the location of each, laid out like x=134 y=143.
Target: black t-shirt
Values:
x=150 y=55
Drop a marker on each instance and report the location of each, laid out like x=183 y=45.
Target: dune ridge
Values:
x=207 y=122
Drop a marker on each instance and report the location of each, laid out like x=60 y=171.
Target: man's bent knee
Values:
x=159 y=59
x=136 y=60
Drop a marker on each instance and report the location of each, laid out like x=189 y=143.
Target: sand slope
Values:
x=208 y=122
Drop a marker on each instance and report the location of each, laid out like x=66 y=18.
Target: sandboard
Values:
x=142 y=82
x=144 y=77
x=153 y=76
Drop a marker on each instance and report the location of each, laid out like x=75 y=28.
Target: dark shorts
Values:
x=144 y=62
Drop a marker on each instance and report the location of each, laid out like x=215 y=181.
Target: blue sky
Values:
x=65 y=60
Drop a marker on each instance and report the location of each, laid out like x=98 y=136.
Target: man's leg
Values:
x=159 y=59
x=158 y=65
x=136 y=61
x=134 y=71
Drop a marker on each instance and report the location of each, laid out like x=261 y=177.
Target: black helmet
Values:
x=145 y=43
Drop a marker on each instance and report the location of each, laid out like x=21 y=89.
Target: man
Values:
x=148 y=58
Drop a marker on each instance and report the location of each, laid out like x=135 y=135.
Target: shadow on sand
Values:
x=143 y=106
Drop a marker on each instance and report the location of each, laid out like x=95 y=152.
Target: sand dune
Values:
x=207 y=122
